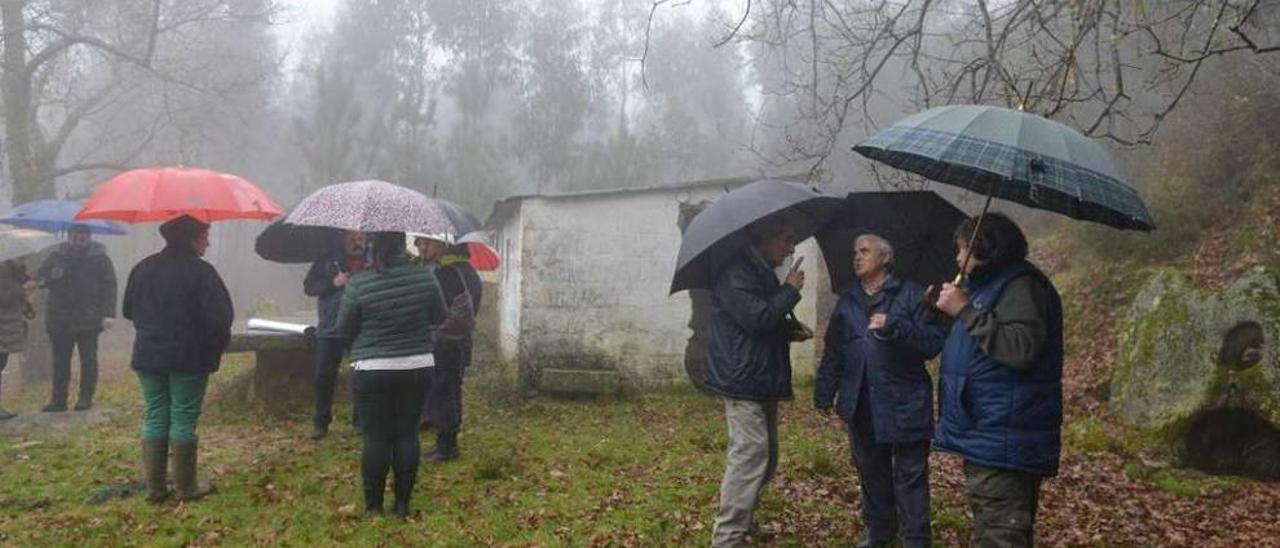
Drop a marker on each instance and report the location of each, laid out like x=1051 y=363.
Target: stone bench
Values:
x=283 y=368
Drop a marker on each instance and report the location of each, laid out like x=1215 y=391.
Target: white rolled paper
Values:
x=272 y=326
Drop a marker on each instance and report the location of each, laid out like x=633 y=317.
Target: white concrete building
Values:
x=585 y=280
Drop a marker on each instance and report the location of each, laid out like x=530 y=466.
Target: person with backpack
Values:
x=453 y=341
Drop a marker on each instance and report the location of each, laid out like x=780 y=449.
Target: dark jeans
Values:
x=895 y=482
x=443 y=405
x=1004 y=504
x=329 y=353
x=390 y=404
x=64 y=344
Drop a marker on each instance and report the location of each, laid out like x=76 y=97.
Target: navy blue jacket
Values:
x=748 y=347
x=995 y=415
x=889 y=360
x=181 y=311
x=319 y=284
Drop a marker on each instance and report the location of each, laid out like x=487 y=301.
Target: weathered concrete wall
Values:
x=510 y=250
x=594 y=275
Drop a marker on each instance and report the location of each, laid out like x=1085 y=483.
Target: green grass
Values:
x=642 y=469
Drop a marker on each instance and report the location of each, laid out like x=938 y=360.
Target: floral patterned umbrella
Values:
x=371 y=206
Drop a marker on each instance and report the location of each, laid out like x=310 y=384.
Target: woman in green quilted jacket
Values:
x=388 y=312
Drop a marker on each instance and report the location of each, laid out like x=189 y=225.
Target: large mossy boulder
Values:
x=1198 y=370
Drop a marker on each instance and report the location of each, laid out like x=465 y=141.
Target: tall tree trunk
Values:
x=19 y=146
x=19 y=120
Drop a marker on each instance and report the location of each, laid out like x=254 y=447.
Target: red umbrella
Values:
x=483 y=257
x=163 y=193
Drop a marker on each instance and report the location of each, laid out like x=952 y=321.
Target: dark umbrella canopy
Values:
x=463 y=221
x=293 y=244
x=919 y=225
x=721 y=229
x=1016 y=156
x=55 y=216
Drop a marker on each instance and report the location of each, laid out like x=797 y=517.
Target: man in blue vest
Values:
x=877 y=342
x=1000 y=392
x=749 y=368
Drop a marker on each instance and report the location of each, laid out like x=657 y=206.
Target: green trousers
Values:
x=173 y=404
x=1004 y=506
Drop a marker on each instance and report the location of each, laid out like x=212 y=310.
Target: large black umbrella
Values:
x=286 y=243
x=721 y=229
x=919 y=225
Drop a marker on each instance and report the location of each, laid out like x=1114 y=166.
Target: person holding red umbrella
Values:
x=178 y=304
x=182 y=313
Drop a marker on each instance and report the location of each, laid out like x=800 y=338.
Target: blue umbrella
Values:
x=56 y=216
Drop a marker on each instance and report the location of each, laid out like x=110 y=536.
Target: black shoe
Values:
x=83 y=405
x=402 y=510
x=441 y=455
x=318 y=433
x=54 y=408
x=6 y=414
x=868 y=542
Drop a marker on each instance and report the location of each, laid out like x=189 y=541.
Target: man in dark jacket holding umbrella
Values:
x=82 y=301
x=326 y=281
x=876 y=344
x=749 y=367
x=182 y=313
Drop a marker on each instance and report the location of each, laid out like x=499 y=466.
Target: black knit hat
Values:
x=182 y=230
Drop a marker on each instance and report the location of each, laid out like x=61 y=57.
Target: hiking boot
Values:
x=6 y=414
x=318 y=433
x=54 y=408
x=185 y=486
x=155 y=459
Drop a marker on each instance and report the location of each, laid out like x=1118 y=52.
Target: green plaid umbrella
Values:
x=1014 y=156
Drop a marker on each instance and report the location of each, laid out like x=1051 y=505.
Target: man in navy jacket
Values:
x=878 y=339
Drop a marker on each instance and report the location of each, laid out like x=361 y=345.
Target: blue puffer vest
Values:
x=992 y=414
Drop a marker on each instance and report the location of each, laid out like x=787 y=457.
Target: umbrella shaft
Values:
x=968 y=250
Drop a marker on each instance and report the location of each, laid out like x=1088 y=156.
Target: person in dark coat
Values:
x=325 y=281
x=876 y=344
x=388 y=312
x=1000 y=392
x=443 y=406
x=749 y=368
x=14 y=311
x=182 y=313
x=82 y=301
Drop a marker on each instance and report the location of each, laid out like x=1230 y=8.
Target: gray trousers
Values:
x=752 y=461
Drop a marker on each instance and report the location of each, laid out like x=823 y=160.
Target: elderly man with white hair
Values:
x=872 y=374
